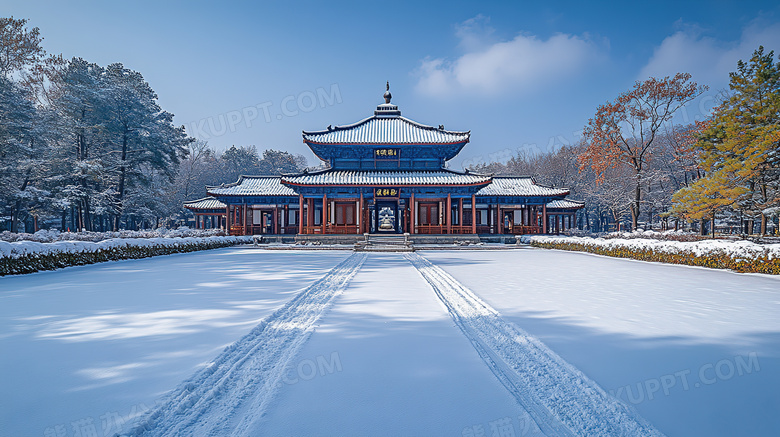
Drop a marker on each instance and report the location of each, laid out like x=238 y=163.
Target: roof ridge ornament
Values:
x=387 y=94
x=387 y=109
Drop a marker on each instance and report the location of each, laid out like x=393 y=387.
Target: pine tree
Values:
x=739 y=149
x=80 y=149
x=17 y=116
x=142 y=135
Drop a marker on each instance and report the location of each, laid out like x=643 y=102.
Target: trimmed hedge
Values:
x=34 y=257
x=760 y=262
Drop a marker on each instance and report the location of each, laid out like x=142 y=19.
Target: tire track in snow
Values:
x=561 y=399
x=229 y=395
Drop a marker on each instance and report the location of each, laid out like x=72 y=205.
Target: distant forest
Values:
x=84 y=146
x=634 y=168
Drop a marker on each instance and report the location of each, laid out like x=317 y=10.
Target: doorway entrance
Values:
x=386 y=217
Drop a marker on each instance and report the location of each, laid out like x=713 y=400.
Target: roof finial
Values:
x=387 y=95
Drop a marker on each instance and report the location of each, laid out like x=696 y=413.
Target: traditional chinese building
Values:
x=386 y=174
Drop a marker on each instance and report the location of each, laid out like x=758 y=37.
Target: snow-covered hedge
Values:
x=740 y=256
x=665 y=235
x=29 y=256
x=48 y=236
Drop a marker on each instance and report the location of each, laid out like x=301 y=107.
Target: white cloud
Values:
x=709 y=60
x=489 y=68
x=475 y=33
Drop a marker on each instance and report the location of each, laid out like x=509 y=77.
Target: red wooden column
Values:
x=300 y=213
x=499 y=219
x=491 y=223
x=448 y=217
x=536 y=215
x=412 y=218
x=460 y=215
x=324 y=213
x=309 y=214
x=360 y=215
x=544 y=219
x=473 y=214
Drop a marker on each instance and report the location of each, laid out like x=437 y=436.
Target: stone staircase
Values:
x=385 y=243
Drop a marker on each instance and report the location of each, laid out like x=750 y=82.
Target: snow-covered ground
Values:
x=368 y=347
x=89 y=346
x=645 y=330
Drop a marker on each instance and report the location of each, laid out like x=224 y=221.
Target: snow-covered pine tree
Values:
x=139 y=132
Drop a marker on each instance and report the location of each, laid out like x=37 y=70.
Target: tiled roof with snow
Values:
x=388 y=178
x=253 y=186
x=385 y=130
x=205 y=203
x=519 y=186
x=565 y=204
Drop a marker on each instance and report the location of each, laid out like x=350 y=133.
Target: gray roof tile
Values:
x=386 y=130
x=519 y=186
x=253 y=186
x=396 y=178
x=205 y=203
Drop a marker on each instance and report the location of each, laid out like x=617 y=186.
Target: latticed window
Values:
x=345 y=213
x=429 y=213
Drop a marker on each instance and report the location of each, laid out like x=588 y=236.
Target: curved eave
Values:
x=571 y=205
x=379 y=178
x=402 y=129
x=375 y=117
x=473 y=184
x=197 y=205
x=210 y=190
x=251 y=194
x=452 y=143
x=195 y=208
x=316 y=147
x=337 y=128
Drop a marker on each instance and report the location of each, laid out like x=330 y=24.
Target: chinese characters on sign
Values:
x=386 y=192
x=386 y=153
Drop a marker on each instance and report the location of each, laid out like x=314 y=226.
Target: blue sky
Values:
x=522 y=76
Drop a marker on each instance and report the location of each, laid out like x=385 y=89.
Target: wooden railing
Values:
x=332 y=229
x=343 y=229
x=459 y=229
x=430 y=229
x=442 y=229
x=419 y=229
x=522 y=230
x=258 y=230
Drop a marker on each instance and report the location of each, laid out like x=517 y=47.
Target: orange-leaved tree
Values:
x=623 y=131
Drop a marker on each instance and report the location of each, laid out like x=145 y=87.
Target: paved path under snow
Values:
x=696 y=351
x=386 y=344
x=404 y=369
x=89 y=348
x=561 y=399
x=229 y=395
